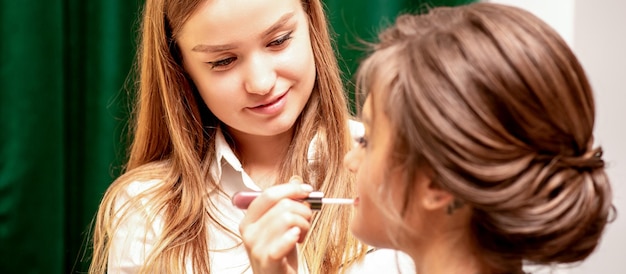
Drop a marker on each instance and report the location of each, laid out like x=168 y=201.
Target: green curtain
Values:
x=64 y=104
x=63 y=108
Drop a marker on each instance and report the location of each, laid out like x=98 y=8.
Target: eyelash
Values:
x=361 y=141
x=222 y=63
x=276 y=43
x=281 y=40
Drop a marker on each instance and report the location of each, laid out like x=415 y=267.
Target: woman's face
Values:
x=381 y=217
x=251 y=61
x=369 y=161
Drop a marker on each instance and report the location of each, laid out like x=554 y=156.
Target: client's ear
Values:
x=434 y=198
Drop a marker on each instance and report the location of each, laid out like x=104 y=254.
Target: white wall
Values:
x=596 y=31
x=600 y=43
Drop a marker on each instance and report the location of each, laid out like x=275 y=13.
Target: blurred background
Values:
x=66 y=82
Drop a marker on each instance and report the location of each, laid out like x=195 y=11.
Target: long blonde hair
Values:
x=174 y=139
x=497 y=105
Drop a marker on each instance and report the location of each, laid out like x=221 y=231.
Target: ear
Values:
x=435 y=198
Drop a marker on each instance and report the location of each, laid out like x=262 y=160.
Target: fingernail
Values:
x=296 y=179
x=294 y=232
x=306 y=187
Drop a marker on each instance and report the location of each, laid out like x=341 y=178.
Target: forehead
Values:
x=378 y=92
x=225 y=21
x=373 y=113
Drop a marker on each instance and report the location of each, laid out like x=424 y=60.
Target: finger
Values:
x=285 y=245
x=287 y=214
x=280 y=257
x=272 y=242
x=273 y=195
x=295 y=179
x=283 y=211
x=242 y=199
x=283 y=215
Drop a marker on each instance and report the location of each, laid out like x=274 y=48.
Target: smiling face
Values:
x=251 y=61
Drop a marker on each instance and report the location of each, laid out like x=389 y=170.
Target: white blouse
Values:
x=134 y=240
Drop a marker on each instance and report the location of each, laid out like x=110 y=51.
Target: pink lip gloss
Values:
x=243 y=199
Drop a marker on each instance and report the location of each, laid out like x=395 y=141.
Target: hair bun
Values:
x=592 y=159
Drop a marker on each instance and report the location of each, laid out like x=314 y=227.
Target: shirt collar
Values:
x=224 y=155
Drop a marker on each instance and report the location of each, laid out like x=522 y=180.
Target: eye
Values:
x=280 y=40
x=222 y=63
x=361 y=141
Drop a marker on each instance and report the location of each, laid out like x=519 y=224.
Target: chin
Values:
x=375 y=241
x=367 y=234
x=279 y=126
x=275 y=130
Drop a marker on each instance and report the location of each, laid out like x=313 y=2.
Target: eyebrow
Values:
x=281 y=22
x=218 y=48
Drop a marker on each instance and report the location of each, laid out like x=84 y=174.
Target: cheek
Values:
x=368 y=176
x=216 y=92
x=297 y=62
x=369 y=223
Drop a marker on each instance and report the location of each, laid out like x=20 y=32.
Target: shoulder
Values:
x=140 y=187
x=135 y=188
x=141 y=179
x=133 y=199
x=381 y=260
x=135 y=225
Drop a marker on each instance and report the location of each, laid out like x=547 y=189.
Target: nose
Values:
x=260 y=74
x=350 y=160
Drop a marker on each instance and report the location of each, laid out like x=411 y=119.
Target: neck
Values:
x=451 y=255
x=261 y=156
x=447 y=247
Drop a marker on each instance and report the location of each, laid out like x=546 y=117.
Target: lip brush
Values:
x=243 y=199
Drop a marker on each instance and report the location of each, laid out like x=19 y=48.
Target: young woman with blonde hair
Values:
x=232 y=95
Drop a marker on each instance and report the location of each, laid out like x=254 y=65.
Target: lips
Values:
x=270 y=101
x=271 y=106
